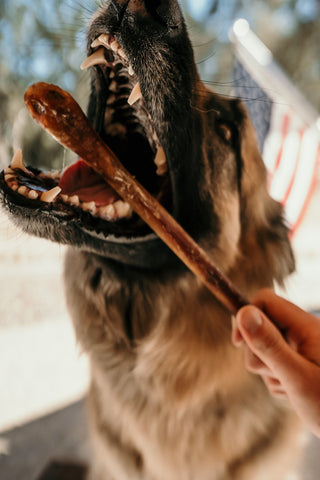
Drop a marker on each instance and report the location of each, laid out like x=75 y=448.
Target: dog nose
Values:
x=118 y=7
x=165 y=11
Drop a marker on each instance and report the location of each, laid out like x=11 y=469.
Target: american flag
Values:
x=288 y=128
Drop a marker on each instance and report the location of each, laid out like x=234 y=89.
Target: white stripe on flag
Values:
x=286 y=170
x=291 y=154
x=305 y=178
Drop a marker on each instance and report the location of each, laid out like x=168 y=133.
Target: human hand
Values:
x=282 y=344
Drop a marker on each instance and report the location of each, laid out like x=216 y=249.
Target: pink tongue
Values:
x=81 y=180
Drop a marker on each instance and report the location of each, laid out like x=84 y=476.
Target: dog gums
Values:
x=58 y=113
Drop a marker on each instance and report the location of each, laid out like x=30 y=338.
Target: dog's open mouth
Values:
x=143 y=91
x=123 y=121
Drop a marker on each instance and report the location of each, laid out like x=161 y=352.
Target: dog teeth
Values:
x=115 y=211
x=74 y=200
x=113 y=86
x=17 y=162
x=135 y=95
x=22 y=190
x=103 y=40
x=89 y=207
x=115 y=46
x=108 y=212
x=109 y=42
x=97 y=58
x=33 y=195
x=111 y=100
x=131 y=71
x=122 y=53
x=161 y=162
x=122 y=209
x=50 y=195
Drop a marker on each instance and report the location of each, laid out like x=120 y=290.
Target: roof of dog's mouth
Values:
x=121 y=118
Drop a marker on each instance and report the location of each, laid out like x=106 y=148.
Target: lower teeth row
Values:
x=115 y=211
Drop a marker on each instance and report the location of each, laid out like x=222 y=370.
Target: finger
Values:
x=299 y=377
x=267 y=343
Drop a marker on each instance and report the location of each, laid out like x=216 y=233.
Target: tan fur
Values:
x=177 y=402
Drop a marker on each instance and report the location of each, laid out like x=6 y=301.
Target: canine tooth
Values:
x=97 y=58
x=89 y=206
x=122 y=209
x=161 y=162
x=135 y=95
x=74 y=200
x=33 y=195
x=131 y=71
x=50 y=195
x=22 y=190
x=17 y=161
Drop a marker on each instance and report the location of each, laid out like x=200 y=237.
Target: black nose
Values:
x=118 y=7
x=165 y=11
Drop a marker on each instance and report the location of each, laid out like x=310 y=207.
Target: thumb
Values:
x=266 y=342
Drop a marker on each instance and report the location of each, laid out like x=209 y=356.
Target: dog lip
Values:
x=122 y=239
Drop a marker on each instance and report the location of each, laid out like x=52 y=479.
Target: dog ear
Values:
x=264 y=236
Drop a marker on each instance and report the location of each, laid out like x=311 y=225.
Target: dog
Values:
x=170 y=398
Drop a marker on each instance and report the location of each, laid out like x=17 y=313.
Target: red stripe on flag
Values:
x=284 y=132
x=308 y=196
x=289 y=188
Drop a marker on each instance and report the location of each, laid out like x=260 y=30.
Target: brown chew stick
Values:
x=58 y=113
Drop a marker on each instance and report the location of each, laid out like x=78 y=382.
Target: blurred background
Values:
x=45 y=40
x=41 y=367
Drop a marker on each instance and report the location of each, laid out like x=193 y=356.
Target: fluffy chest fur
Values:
x=169 y=395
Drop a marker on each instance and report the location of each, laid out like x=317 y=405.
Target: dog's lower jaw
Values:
x=168 y=389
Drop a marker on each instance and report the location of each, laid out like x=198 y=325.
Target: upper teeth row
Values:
x=98 y=58
x=109 y=42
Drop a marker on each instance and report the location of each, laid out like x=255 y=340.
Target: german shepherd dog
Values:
x=170 y=398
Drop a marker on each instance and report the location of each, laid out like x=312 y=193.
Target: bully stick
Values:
x=58 y=113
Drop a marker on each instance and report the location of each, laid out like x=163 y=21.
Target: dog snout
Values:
x=163 y=11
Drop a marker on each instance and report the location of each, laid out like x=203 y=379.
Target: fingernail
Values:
x=252 y=320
